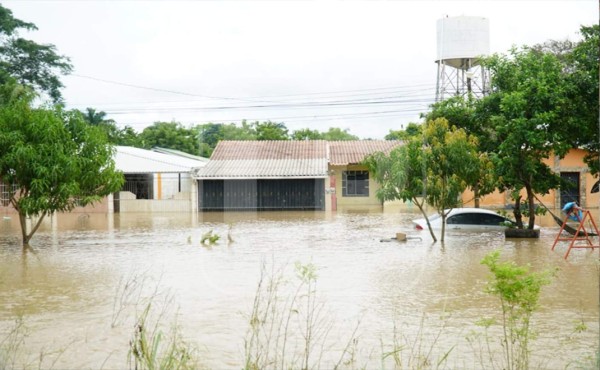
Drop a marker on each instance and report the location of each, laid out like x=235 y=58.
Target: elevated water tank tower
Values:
x=460 y=42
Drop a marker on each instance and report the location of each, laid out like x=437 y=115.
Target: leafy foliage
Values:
x=432 y=170
x=582 y=63
x=170 y=135
x=54 y=158
x=27 y=62
x=518 y=291
x=412 y=130
x=532 y=118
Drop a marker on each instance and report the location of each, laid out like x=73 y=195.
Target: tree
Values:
x=27 y=62
x=431 y=170
x=518 y=291
x=171 y=135
x=337 y=134
x=532 y=117
x=306 y=134
x=582 y=64
x=127 y=137
x=401 y=175
x=95 y=118
x=452 y=160
x=52 y=159
x=270 y=131
x=210 y=134
x=462 y=113
x=412 y=129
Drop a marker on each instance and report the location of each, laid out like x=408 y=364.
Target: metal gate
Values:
x=280 y=194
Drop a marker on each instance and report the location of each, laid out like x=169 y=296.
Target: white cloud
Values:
x=241 y=49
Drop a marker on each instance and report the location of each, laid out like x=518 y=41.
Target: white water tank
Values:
x=462 y=38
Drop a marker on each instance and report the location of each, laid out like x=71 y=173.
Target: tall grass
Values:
x=152 y=348
x=289 y=326
x=418 y=350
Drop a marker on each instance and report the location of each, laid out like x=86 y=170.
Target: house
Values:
x=571 y=168
x=156 y=180
x=287 y=175
x=352 y=182
x=264 y=175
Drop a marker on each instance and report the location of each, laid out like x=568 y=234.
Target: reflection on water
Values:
x=70 y=292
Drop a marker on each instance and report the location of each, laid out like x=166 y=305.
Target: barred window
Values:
x=140 y=184
x=355 y=183
x=6 y=191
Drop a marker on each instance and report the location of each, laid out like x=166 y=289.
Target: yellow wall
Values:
x=572 y=162
x=343 y=201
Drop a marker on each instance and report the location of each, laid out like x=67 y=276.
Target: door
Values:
x=569 y=192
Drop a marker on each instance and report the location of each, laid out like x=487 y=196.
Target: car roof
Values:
x=455 y=211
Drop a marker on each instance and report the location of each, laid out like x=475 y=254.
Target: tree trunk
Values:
x=420 y=206
x=443 y=226
x=476 y=194
x=517 y=213
x=24 y=233
x=530 y=199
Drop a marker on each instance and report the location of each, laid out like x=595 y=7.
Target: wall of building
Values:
x=572 y=162
x=169 y=185
x=342 y=201
x=180 y=202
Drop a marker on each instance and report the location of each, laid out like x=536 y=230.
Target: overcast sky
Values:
x=315 y=64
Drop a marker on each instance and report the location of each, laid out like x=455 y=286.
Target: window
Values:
x=139 y=184
x=6 y=192
x=482 y=219
x=355 y=183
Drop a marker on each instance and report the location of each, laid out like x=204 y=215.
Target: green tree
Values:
x=27 y=62
x=115 y=136
x=337 y=134
x=171 y=135
x=210 y=134
x=431 y=170
x=462 y=112
x=518 y=291
x=270 y=131
x=52 y=159
x=532 y=117
x=306 y=134
x=94 y=117
x=412 y=130
x=582 y=64
x=453 y=161
x=401 y=175
x=127 y=137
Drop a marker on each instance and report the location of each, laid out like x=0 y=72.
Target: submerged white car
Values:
x=476 y=219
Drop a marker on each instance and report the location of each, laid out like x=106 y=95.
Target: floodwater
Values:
x=78 y=298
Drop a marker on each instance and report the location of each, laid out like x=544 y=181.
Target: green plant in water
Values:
x=150 y=349
x=209 y=238
x=416 y=351
x=288 y=325
x=11 y=346
x=518 y=290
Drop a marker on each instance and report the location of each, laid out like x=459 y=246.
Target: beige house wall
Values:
x=353 y=201
x=572 y=162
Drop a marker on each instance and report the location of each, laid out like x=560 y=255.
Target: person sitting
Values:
x=573 y=211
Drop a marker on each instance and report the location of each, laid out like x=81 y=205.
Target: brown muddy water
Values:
x=79 y=296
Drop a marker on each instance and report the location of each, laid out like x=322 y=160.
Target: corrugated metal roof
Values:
x=178 y=153
x=135 y=160
x=353 y=152
x=270 y=149
x=286 y=159
x=263 y=168
x=266 y=159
